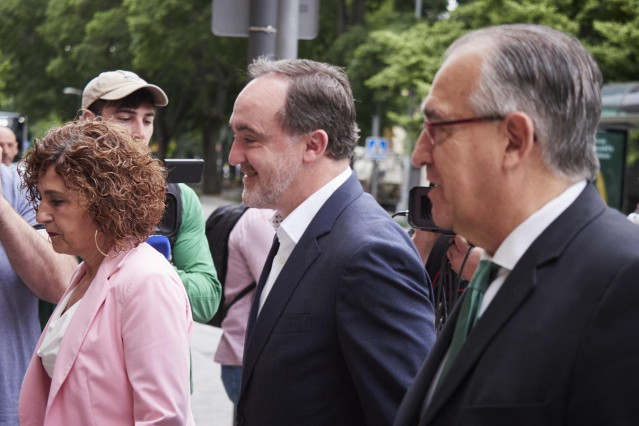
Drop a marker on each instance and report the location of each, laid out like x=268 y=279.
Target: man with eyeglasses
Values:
x=546 y=332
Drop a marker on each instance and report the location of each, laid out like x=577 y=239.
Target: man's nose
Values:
x=423 y=152
x=137 y=129
x=235 y=155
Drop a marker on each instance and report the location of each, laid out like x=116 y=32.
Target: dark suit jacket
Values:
x=559 y=344
x=346 y=325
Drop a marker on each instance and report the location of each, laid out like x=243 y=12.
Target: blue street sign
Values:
x=376 y=148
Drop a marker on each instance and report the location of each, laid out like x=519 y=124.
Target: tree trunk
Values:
x=211 y=126
x=358 y=11
x=161 y=135
x=341 y=17
x=212 y=181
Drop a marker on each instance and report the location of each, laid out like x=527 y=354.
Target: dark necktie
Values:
x=255 y=307
x=469 y=309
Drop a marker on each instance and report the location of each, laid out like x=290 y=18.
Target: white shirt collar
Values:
x=291 y=229
x=295 y=224
x=518 y=241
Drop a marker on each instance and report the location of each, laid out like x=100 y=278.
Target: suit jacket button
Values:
x=239 y=420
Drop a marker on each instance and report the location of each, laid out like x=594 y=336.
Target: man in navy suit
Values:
x=509 y=142
x=341 y=319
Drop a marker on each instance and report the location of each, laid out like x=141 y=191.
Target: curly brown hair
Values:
x=120 y=184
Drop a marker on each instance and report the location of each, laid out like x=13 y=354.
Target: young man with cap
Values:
x=123 y=97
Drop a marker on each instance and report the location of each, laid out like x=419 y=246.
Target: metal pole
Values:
x=412 y=174
x=262 y=30
x=418 y=8
x=412 y=177
x=375 y=132
x=287 y=23
x=75 y=92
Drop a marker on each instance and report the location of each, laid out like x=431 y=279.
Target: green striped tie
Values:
x=468 y=312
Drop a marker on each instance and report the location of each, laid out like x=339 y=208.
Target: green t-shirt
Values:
x=192 y=259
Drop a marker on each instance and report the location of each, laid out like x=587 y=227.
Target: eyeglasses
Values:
x=430 y=127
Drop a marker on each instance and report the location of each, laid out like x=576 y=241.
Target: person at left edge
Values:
x=29 y=269
x=9 y=145
x=107 y=356
x=123 y=97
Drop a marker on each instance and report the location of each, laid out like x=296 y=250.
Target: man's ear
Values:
x=87 y=115
x=316 y=144
x=520 y=131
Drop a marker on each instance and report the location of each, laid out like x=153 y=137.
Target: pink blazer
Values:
x=124 y=358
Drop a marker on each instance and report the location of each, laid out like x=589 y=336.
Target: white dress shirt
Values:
x=48 y=350
x=521 y=238
x=514 y=247
x=291 y=229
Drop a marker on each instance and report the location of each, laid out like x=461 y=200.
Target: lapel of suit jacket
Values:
x=411 y=406
x=304 y=254
x=518 y=285
x=82 y=320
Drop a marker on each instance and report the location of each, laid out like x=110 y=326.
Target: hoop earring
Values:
x=95 y=237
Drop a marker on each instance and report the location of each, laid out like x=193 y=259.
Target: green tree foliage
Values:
x=614 y=38
x=482 y=13
x=27 y=54
x=52 y=44
x=362 y=57
x=87 y=37
x=201 y=72
x=4 y=68
x=407 y=59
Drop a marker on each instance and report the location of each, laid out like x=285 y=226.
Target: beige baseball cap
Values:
x=114 y=85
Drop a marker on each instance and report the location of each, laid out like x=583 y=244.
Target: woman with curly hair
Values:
x=107 y=356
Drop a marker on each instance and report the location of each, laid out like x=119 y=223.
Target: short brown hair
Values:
x=319 y=96
x=120 y=184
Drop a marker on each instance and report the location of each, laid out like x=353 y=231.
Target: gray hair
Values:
x=551 y=77
x=319 y=96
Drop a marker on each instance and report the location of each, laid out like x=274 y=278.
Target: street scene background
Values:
x=390 y=49
x=210 y=404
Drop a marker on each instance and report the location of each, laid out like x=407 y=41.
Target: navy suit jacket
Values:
x=559 y=343
x=346 y=325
